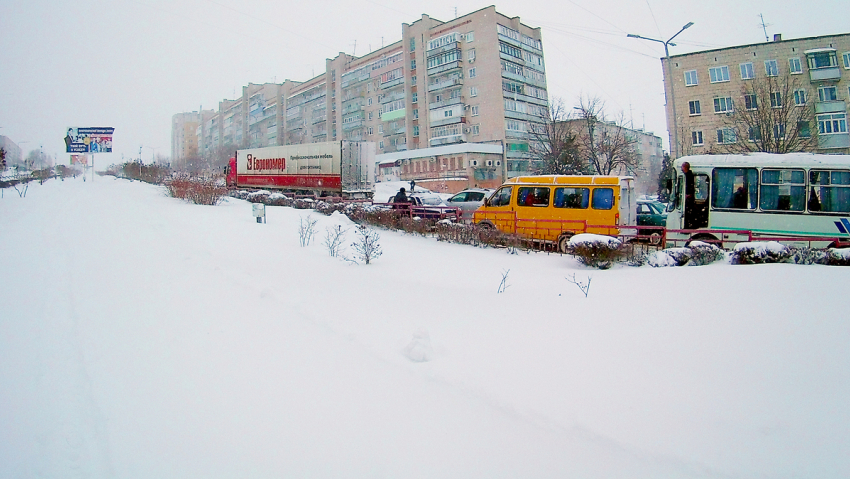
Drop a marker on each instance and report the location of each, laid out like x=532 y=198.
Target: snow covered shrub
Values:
x=240 y=194
x=757 y=252
x=366 y=246
x=303 y=203
x=596 y=251
x=704 y=253
x=809 y=256
x=326 y=208
x=259 y=196
x=680 y=256
x=661 y=259
x=278 y=199
x=839 y=256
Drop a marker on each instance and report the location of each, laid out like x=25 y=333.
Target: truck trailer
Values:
x=333 y=168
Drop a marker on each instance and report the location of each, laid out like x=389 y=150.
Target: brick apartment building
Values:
x=707 y=85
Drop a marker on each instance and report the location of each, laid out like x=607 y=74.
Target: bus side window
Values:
x=603 y=199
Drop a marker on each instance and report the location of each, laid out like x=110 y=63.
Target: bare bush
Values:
x=306 y=230
x=504 y=284
x=196 y=190
x=334 y=238
x=366 y=247
x=584 y=287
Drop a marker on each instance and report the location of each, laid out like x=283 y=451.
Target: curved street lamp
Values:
x=674 y=148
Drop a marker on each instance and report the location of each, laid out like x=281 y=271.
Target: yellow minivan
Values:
x=552 y=208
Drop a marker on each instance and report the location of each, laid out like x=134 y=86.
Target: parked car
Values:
x=428 y=206
x=651 y=213
x=469 y=200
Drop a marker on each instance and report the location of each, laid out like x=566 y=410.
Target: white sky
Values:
x=132 y=64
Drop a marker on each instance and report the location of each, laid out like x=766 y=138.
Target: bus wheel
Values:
x=655 y=238
x=704 y=237
x=564 y=242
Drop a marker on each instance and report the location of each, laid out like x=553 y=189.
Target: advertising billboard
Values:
x=89 y=140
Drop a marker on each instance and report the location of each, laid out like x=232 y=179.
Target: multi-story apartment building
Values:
x=184 y=138
x=477 y=79
x=703 y=87
x=14 y=154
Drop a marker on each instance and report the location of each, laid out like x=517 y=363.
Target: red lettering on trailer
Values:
x=266 y=163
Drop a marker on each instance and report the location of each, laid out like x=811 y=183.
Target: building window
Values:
x=832 y=123
x=775 y=99
x=415 y=130
x=846 y=58
x=794 y=66
x=694 y=107
x=369 y=101
x=413 y=80
x=753 y=134
x=750 y=102
x=771 y=68
x=413 y=64
x=472 y=73
x=381 y=129
x=696 y=138
x=412 y=43
x=718 y=74
x=370 y=115
x=799 y=97
x=804 y=129
x=827 y=93
x=447 y=113
x=779 y=130
x=691 y=78
x=723 y=105
x=726 y=136
x=470 y=37
x=473 y=91
x=747 y=72
x=470 y=54
x=416 y=113
x=474 y=110
x=370 y=131
x=414 y=97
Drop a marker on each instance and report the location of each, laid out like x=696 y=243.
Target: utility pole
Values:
x=674 y=148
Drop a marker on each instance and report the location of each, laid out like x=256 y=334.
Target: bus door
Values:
x=699 y=212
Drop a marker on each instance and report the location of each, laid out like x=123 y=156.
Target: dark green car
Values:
x=651 y=213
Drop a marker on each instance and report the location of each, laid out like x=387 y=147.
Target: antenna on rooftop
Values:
x=455 y=12
x=764 y=27
x=354 y=52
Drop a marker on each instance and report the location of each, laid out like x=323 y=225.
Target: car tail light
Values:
x=616 y=218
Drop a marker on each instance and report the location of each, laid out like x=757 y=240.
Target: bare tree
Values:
x=605 y=146
x=775 y=117
x=553 y=143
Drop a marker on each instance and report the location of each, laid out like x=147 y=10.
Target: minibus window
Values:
x=532 y=196
x=502 y=197
x=572 y=197
x=603 y=198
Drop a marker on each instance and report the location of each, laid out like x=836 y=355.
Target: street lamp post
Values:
x=675 y=146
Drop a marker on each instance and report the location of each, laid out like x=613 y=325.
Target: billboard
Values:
x=79 y=160
x=89 y=140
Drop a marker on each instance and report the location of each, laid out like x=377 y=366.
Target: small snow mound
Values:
x=762 y=247
x=590 y=238
x=277 y=197
x=840 y=253
x=419 y=350
x=660 y=259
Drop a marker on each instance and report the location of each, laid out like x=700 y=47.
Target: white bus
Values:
x=800 y=199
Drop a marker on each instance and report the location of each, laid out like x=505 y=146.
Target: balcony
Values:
x=836 y=140
x=352 y=124
x=390 y=97
x=825 y=74
x=392 y=83
x=446 y=140
x=445 y=84
x=830 y=107
x=448 y=121
x=445 y=67
x=451 y=101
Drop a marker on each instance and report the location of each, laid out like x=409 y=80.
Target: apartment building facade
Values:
x=479 y=78
x=704 y=87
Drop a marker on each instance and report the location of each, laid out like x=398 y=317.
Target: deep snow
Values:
x=141 y=336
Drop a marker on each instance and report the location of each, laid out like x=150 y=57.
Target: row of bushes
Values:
x=596 y=254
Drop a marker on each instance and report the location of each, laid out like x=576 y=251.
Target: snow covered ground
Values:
x=141 y=336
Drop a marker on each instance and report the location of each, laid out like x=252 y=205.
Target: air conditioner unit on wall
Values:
x=489 y=162
x=474 y=162
x=467 y=130
x=498 y=163
x=406 y=162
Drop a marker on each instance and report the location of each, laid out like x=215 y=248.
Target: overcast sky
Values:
x=132 y=64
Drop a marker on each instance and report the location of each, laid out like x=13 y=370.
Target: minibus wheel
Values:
x=564 y=242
